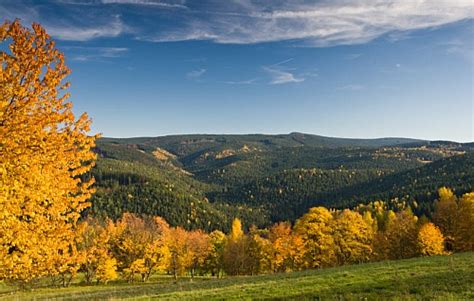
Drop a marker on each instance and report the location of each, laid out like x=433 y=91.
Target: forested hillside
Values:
x=204 y=181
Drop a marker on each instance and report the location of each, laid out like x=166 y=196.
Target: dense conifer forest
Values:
x=262 y=179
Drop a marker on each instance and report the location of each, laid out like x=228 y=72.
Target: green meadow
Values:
x=433 y=278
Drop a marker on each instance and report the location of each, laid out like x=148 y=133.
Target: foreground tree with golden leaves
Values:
x=44 y=150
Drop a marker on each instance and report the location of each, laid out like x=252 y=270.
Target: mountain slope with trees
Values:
x=203 y=181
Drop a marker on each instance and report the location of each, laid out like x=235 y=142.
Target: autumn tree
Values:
x=236 y=250
x=430 y=240
x=107 y=269
x=353 y=235
x=260 y=252
x=199 y=248
x=94 y=245
x=465 y=229
x=139 y=245
x=214 y=262
x=446 y=215
x=288 y=248
x=399 y=240
x=315 y=229
x=181 y=257
x=44 y=151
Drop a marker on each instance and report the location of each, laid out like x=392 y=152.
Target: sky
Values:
x=344 y=68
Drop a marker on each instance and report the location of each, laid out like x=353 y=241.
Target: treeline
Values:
x=134 y=247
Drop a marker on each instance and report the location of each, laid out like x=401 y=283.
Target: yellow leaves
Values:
x=107 y=270
x=352 y=237
x=465 y=230
x=315 y=229
x=445 y=194
x=41 y=158
x=430 y=240
x=455 y=218
x=236 y=232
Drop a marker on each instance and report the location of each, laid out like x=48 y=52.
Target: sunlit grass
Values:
x=441 y=278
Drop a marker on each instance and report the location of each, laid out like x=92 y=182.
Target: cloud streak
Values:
x=84 y=54
x=282 y=77
x=241 y=82
x=320 y=24
x=164 y=4
x=72 y=32
x=195 y=74
x=73 y=25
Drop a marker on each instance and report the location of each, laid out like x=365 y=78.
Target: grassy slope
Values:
x=441 y=278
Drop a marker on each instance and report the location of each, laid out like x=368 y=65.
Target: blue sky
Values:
x=361 y=68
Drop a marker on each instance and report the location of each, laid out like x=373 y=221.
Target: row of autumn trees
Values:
x=133 y=247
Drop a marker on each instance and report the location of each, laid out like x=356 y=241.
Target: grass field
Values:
x=439 y=278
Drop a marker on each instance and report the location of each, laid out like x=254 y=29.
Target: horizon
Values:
x=280 y=134
x=333 y=68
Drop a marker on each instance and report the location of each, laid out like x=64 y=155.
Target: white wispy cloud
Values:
x=80 y=28
x=279 y=76
x=306 y=23
x=241 y=82
x=75 y=32
x=166 y=4
x=323 y=23
x=95 y=53
x=282 y=75
x=195 y=74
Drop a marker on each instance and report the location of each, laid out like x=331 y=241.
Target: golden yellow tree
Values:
x=215 y=260
x=353 y=237
x=236 y=231
x=94 y=245
x=181 y=258
x=315 y=227
x=236 y=251
x=446 y=216
x=139 y=244
x=464 y=235
x=107 y=270
x=399 y=239
x=44 y=150
x=430 y=240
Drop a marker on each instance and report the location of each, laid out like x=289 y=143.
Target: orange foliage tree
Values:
x=44 y=150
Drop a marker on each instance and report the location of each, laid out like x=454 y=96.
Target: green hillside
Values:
x=203 y=181
x=290 y=193
x=433 y=278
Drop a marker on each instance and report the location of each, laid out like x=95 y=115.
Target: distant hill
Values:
x=186 y=144
x=205 y=180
